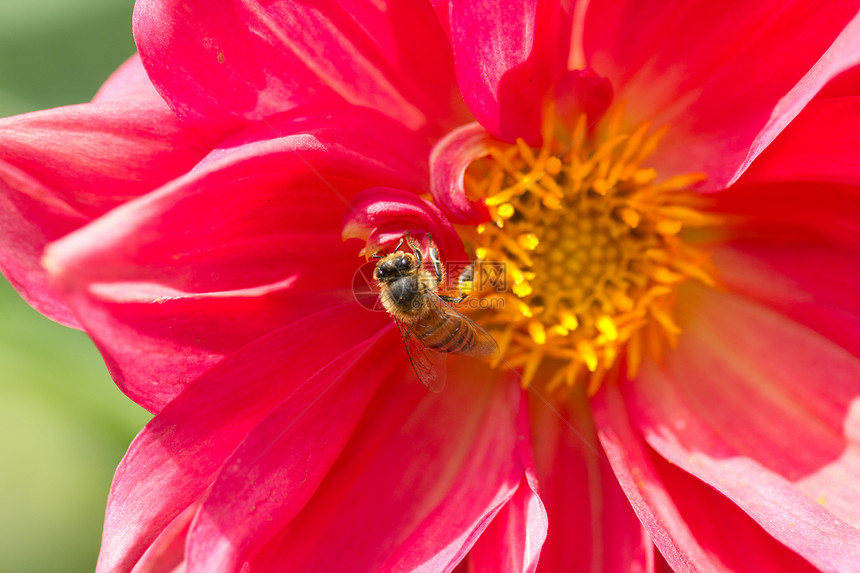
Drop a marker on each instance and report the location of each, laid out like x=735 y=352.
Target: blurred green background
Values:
x=64 y=426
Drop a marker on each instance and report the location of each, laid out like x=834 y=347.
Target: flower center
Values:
x=592 y=247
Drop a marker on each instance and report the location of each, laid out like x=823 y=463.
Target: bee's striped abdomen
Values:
x=444 y=332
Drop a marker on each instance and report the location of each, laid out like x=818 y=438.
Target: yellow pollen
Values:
x=506 y=211
x=528 y=241
x=537 y=331
x=593 y=246
x=606 y=326
x=522 y=289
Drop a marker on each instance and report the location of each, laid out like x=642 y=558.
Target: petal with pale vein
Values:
x=224 y=65
x=281 y=463
x=65 y=166
x=788 y=463
x=700 y=70
x=515 y=538
x=591 y=524
x=423 y=476
x=821 y=144
x=177 y=457
x=191 y=255
x=678 y=510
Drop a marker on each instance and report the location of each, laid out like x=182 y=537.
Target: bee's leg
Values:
x=465 y=283
x=454 y=299
x=434 y=258
x=416 y=249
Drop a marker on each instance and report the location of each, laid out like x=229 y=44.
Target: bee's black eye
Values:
x=403 y=263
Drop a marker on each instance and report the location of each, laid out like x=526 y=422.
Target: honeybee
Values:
x=428 y=323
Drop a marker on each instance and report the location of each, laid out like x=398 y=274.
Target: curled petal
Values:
x=167 y=552
x=448 y=162
x=514 y=539
x=382 y=215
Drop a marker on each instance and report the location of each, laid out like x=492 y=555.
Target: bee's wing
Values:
x=484 y=345
x=429 y=365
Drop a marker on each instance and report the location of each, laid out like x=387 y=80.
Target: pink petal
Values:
x=821 y=144
x=813 y=284
x=172 y=282
x=845 y=84
x=382 y=215
x=514 y=539
x=591 y=524
x=167 y=552
x=792 y=213
x=699 y=70
x=582 y=91
x=421 y=479
x=98 y=156
x=63 y=167
x=31 y=216
x=448 y=162
x=442 y=9
x=695 y=528
x=223 y=65
x=176 y=458
x=766 y=415
x=507 y=55
x=279 y=466
x=129 y=81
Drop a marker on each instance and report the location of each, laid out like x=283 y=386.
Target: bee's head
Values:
x=395 y=265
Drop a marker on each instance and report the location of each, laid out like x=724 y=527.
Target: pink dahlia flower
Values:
x=669 y=190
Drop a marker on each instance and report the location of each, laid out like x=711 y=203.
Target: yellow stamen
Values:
x=607 y=327
x=506 y=210
x=537 y=331
x=592 y=243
